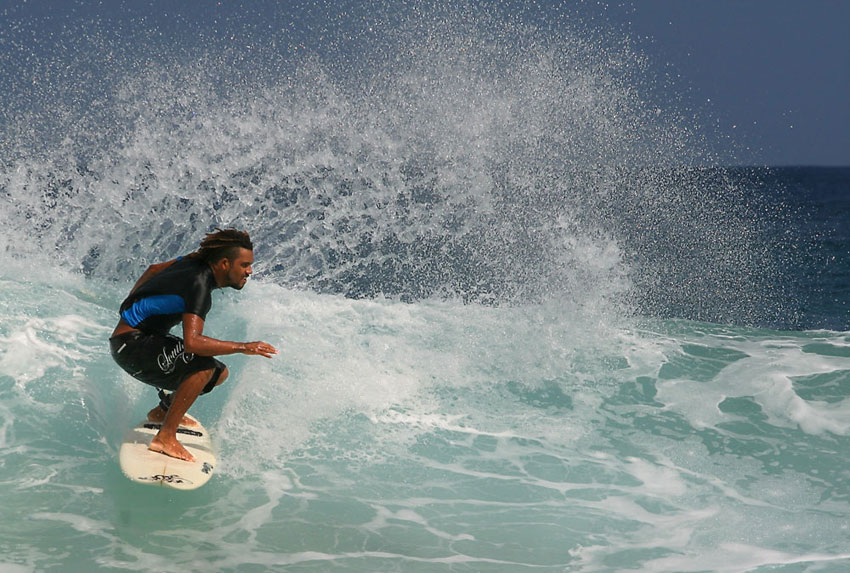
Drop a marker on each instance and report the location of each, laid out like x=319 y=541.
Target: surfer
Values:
x=173 y=292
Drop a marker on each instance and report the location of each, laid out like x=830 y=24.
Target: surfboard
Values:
x=152 y=468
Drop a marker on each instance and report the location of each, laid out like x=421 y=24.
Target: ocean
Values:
x=529 y=318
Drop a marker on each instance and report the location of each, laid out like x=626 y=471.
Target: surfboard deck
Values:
x=143 y=466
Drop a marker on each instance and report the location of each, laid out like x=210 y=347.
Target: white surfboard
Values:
x=153 y=468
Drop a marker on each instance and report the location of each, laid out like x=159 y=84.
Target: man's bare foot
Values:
x=157 y=415
x=171 y=448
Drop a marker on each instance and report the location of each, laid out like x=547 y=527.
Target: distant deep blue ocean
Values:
x=529 y=320
x=821 y=196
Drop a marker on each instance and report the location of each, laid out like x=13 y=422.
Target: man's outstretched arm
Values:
x=197 y=343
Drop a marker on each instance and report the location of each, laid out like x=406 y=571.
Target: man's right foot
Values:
x=170 y=447
x=157 y=415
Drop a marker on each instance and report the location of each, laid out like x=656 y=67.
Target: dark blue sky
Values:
x=776 y=72
x=770 y=77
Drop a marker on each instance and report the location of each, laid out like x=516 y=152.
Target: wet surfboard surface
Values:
x=152 y=468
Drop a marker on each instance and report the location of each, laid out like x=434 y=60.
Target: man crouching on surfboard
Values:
x=178 y=291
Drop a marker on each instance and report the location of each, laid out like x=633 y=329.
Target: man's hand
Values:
x=197 y=343
x=259 y=349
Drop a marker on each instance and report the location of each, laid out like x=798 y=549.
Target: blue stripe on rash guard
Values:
x=160 y=304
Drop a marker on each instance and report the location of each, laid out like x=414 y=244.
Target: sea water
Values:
x=526 y=320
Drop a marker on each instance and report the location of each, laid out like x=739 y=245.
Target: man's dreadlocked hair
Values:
x=224 y=243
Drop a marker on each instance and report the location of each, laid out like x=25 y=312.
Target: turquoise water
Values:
x=433 y=436
x=526 y=320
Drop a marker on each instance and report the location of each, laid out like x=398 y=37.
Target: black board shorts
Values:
x=159 y=360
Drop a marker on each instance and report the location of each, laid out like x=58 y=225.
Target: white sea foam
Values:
x=762 y=369
x=382 y=424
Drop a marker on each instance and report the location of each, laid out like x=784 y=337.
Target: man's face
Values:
x=239 y=269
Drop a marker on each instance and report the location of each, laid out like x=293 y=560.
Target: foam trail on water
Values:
x=383 y=422
x=340 y=356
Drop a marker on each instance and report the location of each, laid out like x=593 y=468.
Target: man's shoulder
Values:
x=197 y=274
x=190 y=265
x=184 y=271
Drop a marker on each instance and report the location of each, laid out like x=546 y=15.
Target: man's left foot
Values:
x=170 y=447
x=157 y=416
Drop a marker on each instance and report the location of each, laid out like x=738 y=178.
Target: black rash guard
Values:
x=160 y=302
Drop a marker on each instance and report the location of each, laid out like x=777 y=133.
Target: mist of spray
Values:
x=467 y=155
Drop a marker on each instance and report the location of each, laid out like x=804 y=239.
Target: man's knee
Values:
x=208 y=376
x=223 y=376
